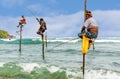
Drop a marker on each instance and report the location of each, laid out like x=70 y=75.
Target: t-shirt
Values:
x=89 y=23
x=23 y=21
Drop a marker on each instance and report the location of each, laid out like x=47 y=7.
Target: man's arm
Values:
x=37 y=19
x=83 y=29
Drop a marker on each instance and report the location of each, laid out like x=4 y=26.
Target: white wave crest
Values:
x=102 y=40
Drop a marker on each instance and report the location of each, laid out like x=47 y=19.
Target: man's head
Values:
x=88 y=14
x=22 y=16
x=41 y=19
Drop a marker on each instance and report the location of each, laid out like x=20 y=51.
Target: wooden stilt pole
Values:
x=84 y=54
x=93 y=46
x=83 y=65
x=46 y=39
x=43 y=47
x=84 y=10
x=20 y=37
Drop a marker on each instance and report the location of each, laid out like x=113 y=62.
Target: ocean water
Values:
x=63 y=59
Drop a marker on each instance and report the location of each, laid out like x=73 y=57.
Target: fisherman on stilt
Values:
x=40 y=31
x=22 y=21
x=21 y=24
x=42 y=27
x=89 y=28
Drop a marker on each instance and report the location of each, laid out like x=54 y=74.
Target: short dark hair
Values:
x=22 y=16
x=41 y=19
x=87 y=11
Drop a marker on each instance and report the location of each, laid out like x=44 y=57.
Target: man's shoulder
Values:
x=91 y=18
x=43 y=21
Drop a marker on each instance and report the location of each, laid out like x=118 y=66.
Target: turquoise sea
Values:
x=63 y=59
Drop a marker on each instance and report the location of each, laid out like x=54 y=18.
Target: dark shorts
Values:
x=41 y=31
x=88 y=34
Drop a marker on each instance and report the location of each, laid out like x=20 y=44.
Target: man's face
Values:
x=87 y=16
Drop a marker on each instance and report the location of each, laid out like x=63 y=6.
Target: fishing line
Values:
x=63 y=43
x=31 y=12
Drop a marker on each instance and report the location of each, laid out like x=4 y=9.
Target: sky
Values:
x=64 y=18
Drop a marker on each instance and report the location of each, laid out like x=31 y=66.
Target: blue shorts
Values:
x=88 y=34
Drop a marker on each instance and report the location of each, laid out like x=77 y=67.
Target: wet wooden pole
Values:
x=84 y=10
x=46 y=39
x=83 y=65
x=43 y=56
x=84 y=54
x=20 y=37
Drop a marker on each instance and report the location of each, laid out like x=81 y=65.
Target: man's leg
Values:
x=90 y=43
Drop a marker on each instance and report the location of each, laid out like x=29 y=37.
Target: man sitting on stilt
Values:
x=22 y=21
x=42 y=28
x=89 y=28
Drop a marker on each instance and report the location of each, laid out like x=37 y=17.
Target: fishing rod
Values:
x=31 y=12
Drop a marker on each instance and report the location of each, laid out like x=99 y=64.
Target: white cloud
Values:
x=10 y=3
x=40 y=9
x=108 y=22
x=65 y=25
x=35 y=7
